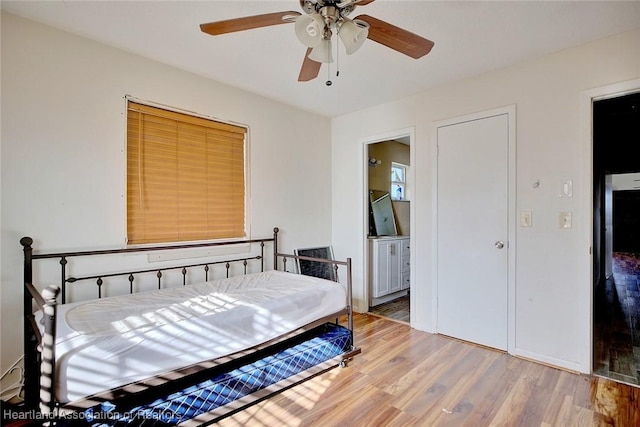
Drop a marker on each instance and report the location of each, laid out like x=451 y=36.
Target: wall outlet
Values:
x=565 y=220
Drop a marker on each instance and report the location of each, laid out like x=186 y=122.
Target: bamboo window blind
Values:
x=185 y=177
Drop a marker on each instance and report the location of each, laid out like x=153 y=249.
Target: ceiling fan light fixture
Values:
x=310 y=29
x=353 y=35
x=322 y=52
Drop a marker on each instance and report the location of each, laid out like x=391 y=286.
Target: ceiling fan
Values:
x=316 y=28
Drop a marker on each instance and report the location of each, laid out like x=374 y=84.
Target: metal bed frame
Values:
x=39 y=349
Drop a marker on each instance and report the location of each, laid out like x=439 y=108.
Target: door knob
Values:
x=499 y=244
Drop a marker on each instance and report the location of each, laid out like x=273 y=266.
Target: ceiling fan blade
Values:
x=248 y=23
x=364 y=2
x=310 y=68
x=396 y=38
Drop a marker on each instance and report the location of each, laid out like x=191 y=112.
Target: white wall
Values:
x=63 y=164
x=552 y=321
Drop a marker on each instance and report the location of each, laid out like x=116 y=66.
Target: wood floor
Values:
x=616 y=315
x=409 y=378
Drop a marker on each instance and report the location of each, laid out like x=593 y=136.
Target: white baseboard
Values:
x=552 y=361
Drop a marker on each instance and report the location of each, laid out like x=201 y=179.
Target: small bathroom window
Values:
x=398 y=181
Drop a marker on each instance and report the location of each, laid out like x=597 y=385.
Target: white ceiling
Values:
x=470 y=38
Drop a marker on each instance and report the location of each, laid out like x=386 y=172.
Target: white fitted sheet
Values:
x=107 y=343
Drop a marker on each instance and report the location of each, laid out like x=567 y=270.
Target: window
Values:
x=398 y=181
x=185 y=177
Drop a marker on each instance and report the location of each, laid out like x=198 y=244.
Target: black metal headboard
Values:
x=64 y=257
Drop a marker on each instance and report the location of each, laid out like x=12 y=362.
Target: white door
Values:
x=472 y=221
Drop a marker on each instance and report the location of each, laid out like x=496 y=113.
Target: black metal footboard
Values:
x=335 y=264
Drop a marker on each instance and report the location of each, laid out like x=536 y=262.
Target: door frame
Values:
x=510 y=111
x=364 y=144
x=587 y=97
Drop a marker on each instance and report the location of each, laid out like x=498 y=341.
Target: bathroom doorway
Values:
x=389 y=191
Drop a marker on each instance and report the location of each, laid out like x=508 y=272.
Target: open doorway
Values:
x=616 y=238
x=389 y=190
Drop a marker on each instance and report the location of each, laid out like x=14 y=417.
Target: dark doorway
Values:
x=616 y=238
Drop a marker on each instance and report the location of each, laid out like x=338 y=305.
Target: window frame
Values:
x=402 y=183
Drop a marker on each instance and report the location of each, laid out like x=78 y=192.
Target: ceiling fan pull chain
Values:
x=338 y=56
x=329 y=82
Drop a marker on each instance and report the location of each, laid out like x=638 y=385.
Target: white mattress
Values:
x=107 y=343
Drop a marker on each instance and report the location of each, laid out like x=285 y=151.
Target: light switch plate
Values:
x=565 y=220
x=526 y=219
x=566 y=189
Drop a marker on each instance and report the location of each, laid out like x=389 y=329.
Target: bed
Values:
x=178 y=355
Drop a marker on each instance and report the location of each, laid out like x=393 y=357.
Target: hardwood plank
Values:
x=510 y=411
x=406 y=377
